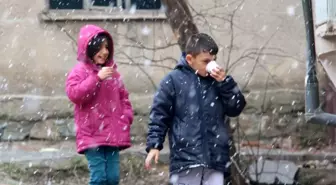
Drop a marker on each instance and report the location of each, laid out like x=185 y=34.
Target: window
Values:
x=125 y=4
x=62 y=4
x=104 y=2
x=325 y=16
x=149 y=4
x=93 y=10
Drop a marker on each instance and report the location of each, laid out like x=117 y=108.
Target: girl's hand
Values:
x=105 y=72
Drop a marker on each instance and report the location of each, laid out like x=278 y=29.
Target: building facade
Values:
x=262 y=43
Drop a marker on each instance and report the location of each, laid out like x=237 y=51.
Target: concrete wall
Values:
x=36 y=55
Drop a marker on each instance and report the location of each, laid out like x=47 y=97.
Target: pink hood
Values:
x=86 y=33
x=103 y=112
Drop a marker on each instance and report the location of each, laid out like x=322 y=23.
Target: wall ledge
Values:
x=91 y=15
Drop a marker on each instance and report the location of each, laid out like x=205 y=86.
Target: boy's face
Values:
x=101 y=57
x=199 y=62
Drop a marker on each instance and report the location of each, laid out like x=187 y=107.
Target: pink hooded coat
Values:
x=103 y=112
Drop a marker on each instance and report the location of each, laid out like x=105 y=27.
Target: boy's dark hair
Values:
x=201 y=42
x=95 y=44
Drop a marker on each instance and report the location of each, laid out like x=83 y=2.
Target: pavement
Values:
x=46 y=152
x=53 y=154
x=60 y=155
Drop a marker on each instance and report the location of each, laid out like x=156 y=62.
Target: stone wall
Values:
x=262 y=44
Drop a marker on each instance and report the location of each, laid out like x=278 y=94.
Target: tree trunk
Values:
x=181 y=22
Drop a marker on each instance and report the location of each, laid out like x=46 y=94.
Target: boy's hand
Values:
x=105 y=72
x=153 y=153
x=218 y=74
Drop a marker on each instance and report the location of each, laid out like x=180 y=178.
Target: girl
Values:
x=103 y=112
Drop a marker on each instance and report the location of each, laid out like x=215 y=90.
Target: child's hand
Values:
x=153 y=153
x=105 y=72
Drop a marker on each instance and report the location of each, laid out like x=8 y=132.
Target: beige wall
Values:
x=35 y=56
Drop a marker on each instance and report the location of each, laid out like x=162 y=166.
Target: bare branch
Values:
x=154 y=65
x=257 y=59
x=232 y=35
x=67 y=33
x=137 y=64
x=137 y=44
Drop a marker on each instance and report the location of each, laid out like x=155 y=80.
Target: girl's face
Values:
x=101 y=57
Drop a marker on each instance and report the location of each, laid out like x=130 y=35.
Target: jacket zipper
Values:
x=203 y=128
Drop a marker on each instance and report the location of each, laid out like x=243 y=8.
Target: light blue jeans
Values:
x=103 y=165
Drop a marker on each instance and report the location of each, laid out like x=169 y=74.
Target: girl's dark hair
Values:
x=95 y=44
x=201 y=42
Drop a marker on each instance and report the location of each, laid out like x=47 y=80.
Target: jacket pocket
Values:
x=85 y=125
x=221 y=134
x=98 y=122
x=123 y=129
x=189 y=134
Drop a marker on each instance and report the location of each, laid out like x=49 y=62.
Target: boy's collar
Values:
x=184 y=54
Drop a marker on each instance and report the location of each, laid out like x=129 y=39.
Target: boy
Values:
x=192 y=106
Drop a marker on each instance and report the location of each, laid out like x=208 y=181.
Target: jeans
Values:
x=103 y=165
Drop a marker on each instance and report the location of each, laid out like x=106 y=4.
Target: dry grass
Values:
x=132 y=172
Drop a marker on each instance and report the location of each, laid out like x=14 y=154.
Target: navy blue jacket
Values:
x=193 y=110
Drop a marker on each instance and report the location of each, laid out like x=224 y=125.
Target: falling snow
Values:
x=145 y=30
x=261 y=50
x=291 y=10
x=133 y=9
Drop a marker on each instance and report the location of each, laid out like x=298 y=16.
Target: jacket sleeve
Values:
x=161 y=114
x=233 y=99
x=127 y=106
x=81 y=88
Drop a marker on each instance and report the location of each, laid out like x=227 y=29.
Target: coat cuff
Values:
x=228 y=84
x=154 y=146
